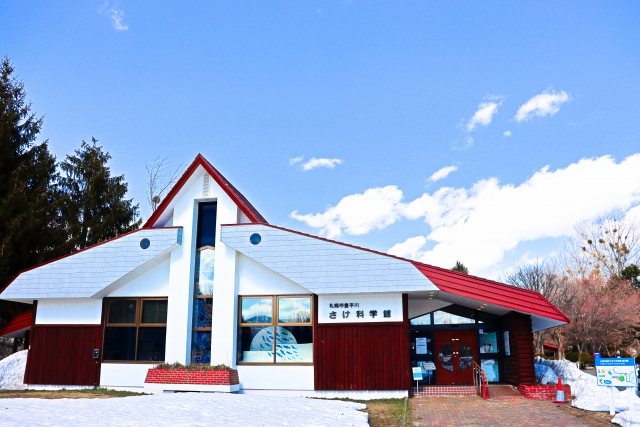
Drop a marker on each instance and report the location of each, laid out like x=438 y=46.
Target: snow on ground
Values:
x=12 y=371
x=183 y=409
x=627 y=419
x=586 y=392
x=545 y=374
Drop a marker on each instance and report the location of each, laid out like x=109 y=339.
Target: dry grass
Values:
x=386 y=412
x=98 y=393
x=591 y=417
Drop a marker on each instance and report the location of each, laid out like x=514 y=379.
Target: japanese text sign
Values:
x=417 y=373
x=616 y=372
x=359 y=308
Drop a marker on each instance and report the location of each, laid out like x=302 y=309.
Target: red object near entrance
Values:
x=63 y=355
x=455 y=353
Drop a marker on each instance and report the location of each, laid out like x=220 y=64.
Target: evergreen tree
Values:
x=96 y=208
x=30 y=224
x=460 y=268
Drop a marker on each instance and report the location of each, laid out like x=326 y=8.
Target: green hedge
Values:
x=192 y=367
x=585 y=358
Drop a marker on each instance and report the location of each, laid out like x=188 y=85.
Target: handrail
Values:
x=480 y=381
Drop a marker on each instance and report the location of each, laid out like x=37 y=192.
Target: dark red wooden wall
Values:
x=518 y=367
x=63 y=355
x=372 y=356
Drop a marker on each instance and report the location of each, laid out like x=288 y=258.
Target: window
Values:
x=203 y=284
x=135 y=329
x=425 y=319
x=275 y=329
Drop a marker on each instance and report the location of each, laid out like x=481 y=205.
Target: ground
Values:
x=387 y=412
x=99 y=393
x=473 y=411
x=183 y=409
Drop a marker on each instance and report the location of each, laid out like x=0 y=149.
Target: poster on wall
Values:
x=489 y=343
x=421 y=346
x=507 y=349
x=490 y=368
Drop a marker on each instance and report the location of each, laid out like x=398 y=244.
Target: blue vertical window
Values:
x=203 y=283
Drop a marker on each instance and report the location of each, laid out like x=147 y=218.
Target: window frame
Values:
x=138 y=324
x=275 y=306
x=196 y=297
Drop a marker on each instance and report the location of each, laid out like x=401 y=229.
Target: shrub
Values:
x=586 y=358
x=571 y=356
x=192 y=367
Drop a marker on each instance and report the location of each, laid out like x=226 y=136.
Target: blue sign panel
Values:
x=417 y=374
x=616 y=372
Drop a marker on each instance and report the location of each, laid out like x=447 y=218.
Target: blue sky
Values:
x=395 y=91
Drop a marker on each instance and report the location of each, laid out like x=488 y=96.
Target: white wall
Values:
x=180 y=288
x=225 y=301
x=153 y=283
x=68 y=311
x=181 y=273
x=123 y=374
x=256 y=279
x=276 y=377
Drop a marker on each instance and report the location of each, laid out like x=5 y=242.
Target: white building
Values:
x=208 y=280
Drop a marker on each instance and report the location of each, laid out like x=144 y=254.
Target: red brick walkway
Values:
x=473 y=411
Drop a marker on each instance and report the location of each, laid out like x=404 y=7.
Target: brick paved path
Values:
x=473 y=411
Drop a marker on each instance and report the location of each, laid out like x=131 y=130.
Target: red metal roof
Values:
x=465 y=285
x=486 y=290
x=21 y=321
x=245 y=206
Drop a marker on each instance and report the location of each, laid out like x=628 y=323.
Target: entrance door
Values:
x=454 y=353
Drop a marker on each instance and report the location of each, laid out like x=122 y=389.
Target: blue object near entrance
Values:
x=616 y=371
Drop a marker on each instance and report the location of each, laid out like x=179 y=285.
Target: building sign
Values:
x=359 y=308
x=616 y=372
x=507 y=348
x=427 y=366
x=417 y=373
x=421 y=346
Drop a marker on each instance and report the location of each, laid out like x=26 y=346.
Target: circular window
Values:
x=446 y=356
x=255 y=239
x=145 y=243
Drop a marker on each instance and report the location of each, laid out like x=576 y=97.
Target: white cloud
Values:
x=507 y=133
x=295 y=160
x=321 y=163
x=479 y=224
x=410 y=248
x=442 y=173
x=357 y=214
x=485 y=113
x=115 y=14
x=464 y=144
x=545 y=104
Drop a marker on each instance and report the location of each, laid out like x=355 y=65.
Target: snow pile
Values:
x=545 y=375
x=627 y=419
x=584 y=388
x=595 y=398
x=185 y=409
x=564 y=369
x=12 y=371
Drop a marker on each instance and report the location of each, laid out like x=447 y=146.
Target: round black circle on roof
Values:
x=255 y=239
x=145 y=243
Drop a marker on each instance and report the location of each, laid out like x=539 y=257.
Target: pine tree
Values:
x=30 y=222
x=460 y=268
x=96 y=207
